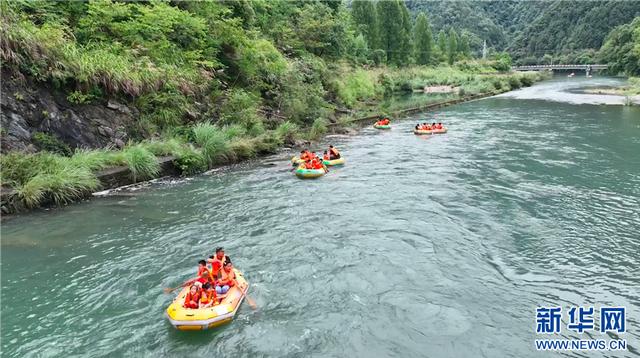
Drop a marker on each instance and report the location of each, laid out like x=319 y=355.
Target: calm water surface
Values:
x=436 y=246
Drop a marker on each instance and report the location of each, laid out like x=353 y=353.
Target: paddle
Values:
x=251 y=302
x=188 y=282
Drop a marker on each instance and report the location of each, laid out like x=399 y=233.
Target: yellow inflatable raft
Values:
x=305 y=173
x=421 y=131
x=186 y=319
x=329 y=163
x=439 y=131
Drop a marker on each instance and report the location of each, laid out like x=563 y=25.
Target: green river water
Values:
x=437 y=246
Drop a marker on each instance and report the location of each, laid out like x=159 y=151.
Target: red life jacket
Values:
x=195 y=298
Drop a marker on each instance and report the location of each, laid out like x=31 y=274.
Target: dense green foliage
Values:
x=423 y=40
x=565 y=31
x=621 y=49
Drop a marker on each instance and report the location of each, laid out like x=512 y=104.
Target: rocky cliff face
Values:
x=29 y=107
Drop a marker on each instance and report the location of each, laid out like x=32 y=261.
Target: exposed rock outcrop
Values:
x=29 y=107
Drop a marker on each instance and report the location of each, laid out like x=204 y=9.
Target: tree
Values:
x=406 y=38
x=321 y=31
x=452 y=49
x=361 y=50
x=423 y=40
x=442 y=42
x=463 y=45
x=365 y=17
x=390 y=28
x=621 y=49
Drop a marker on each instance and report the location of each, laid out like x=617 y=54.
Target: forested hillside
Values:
x=564 y=31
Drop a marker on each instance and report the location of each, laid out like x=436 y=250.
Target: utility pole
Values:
x=484 y=50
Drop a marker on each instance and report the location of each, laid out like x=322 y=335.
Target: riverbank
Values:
x=47 y=179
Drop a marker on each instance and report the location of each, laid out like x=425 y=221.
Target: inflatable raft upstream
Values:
x=421 y=131
x=339 y=161
x=382 y=126
x=432 y=131
x=186 y=319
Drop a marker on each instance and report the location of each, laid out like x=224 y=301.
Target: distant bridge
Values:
x=587 y=68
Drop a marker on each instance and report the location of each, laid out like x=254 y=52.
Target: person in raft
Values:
x=193 y=297
x=333 y=153
x=383 y=122
x=227 y=279
x=217 y=261
x=208 y=297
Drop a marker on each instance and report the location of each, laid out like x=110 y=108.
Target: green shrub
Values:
x=233 y=131
x=514 y=82
x=96 y=159
x=212 y=142
x=19 y=168
x=318 y=128
x=159 y=147
x=190 y=161
x=51 y=144
x=242 y=148
x=355 y=85
x=241 y=107
x=287 y=132
x=41 y=175
x=497 y=83
x=267 y=143
x=63 y=186
x=141 y=162
x=78 y=97
x=526 y=81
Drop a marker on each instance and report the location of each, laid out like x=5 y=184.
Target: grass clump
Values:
x=318 y=128
x=46 y=175
x=242 y=148
x=141 y=162
x=287 y=132
x=62 y=185
x=190 y=161
x=212 y=142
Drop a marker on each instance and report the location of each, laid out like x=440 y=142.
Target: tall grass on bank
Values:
x=212 y=142
x=141 y=162
x=318 y=128
x=41 y=175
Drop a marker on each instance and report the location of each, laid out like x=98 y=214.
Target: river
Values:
x=437 y=246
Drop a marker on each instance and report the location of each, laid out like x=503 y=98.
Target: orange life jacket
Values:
x=208 y=298
x=195 y=298
x=216 y=265
x=228 y=278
